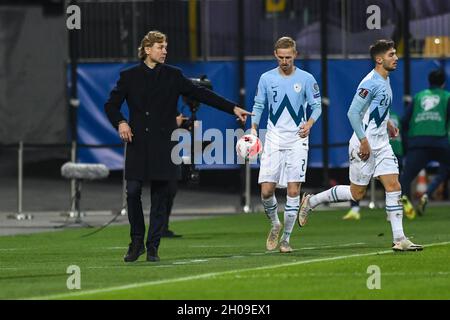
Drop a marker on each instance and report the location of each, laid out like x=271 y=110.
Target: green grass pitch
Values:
x=225 y=258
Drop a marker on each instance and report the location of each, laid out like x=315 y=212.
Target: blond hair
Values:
x=149 y=40
x=285 y=43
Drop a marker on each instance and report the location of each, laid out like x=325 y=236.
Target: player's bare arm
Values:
x=392 y=129
x=305 y=128
x=364 y=149
x=254 y=129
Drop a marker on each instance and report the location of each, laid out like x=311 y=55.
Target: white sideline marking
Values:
x=336 y=274
x=216 y=274
x=191 y=261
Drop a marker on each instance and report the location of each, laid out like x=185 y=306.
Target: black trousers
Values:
x=173 y=188
x=159 y=192
x=417 y=159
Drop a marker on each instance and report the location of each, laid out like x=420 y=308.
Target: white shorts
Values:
x=381 y=162
x=283 y=166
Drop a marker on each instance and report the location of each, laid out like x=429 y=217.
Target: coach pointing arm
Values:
x=210 y=98
x=151 y=90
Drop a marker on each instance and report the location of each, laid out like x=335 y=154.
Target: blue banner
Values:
x=96 y=80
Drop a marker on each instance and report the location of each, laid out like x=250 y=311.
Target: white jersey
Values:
x=287 y=98
x=374 y=99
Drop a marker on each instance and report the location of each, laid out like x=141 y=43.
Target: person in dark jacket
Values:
x=426 y=126
x=151 y=90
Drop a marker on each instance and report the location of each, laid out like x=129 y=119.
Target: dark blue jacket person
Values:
x=151 y=90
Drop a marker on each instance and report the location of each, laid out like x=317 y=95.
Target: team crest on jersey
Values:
x=429 y=102
x=297 y=87
x=363 y=93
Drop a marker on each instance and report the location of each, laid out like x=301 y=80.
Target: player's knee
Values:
x=267 y=190
x=358 y=194
x=393 y=186
x=293 y=194
x=266 y=194
x=293 y=191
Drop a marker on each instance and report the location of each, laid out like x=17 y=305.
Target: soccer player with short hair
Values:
x=370 y=153
x=397 y=148
x=285 y=90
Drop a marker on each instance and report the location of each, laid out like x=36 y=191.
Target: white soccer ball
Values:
x=249 y=147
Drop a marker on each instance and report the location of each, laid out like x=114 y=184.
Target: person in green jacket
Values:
x=442 y=175
x=426 y=126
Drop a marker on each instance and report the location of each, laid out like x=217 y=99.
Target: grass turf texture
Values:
x=225 y=258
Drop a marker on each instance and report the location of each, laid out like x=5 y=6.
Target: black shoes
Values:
x=170 y=234
x=152 y=254
x=135 y=250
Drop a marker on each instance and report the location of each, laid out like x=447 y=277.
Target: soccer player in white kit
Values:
x=285 y=90
x=369 y=150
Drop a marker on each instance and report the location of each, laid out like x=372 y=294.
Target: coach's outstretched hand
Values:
x=241 y=113
x=180 y=119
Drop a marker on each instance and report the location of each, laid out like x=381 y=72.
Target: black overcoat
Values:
x=152 y=101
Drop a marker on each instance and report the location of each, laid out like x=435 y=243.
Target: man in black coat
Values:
x=151 y=90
